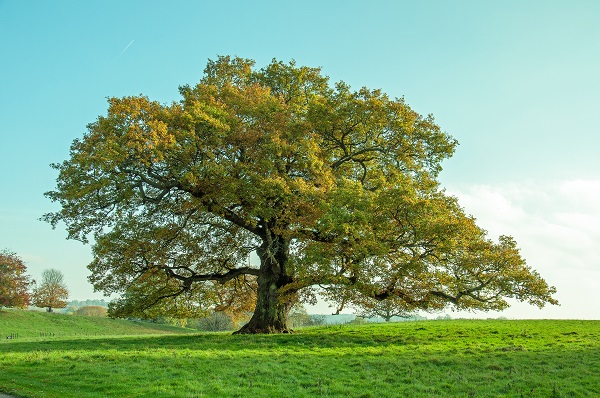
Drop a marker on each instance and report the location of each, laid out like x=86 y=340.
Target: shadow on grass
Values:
x=449 y=336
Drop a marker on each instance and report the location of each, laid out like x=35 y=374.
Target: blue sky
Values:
x=517 y=83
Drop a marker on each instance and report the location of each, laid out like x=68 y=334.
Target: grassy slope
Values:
x=41 y=325
x=411 y=359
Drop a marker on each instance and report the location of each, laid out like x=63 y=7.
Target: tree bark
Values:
x=273 y=305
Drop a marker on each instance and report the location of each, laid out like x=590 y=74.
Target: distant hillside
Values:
x=32 y=325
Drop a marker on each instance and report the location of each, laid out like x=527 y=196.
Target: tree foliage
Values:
x=299 y=317
x=88 y=302
x=91 y=310
x=334 y=190
x=52 y=291
x=386 y=309
x=14 y=281
x=217 y=321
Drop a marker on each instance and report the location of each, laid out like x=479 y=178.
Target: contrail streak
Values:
x=125 y=49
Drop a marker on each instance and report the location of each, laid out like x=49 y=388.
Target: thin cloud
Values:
x=555 y=225
x=125 y=49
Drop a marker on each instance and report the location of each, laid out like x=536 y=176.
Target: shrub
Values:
x=91 y=310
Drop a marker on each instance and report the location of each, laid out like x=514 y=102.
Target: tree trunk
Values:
x=272 y=305
x=49 y=309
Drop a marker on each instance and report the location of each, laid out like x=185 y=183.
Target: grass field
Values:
x=411 y=359
x=28 y=325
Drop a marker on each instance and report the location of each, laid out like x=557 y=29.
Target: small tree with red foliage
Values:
x=14 y=282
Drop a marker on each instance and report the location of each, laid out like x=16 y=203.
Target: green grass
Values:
x=32 y=325
x=412 y=359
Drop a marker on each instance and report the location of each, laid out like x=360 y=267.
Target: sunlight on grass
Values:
x=414 y=359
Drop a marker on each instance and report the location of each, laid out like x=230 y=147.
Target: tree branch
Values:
x=351 y=156
x=221 y=278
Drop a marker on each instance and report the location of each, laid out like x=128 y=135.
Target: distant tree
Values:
x=386 y=309
x=216 y=322
x=52 y=291
x=317 y=320
x=299 y=316
x=91 y=310
x=14 y=282
x=359 y=320
x=95 y=302
x=168 y=320
x=335 y=190
x=69 y=310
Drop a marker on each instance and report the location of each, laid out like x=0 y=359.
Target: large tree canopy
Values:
x=335 y=191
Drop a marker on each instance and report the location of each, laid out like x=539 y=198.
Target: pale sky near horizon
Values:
x=516 y=82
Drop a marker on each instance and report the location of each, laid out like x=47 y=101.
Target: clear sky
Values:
x=516 y=82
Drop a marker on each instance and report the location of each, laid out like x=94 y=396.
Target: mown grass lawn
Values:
x=411 y=359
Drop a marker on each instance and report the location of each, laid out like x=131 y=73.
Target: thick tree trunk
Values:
x=271 y=312
x=273 y=305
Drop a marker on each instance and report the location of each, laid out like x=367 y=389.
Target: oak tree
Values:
x=14 y=281
x=52 y=291
x=334 y=190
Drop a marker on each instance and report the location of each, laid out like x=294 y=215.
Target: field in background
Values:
x=33 y=325
x=457 y=358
